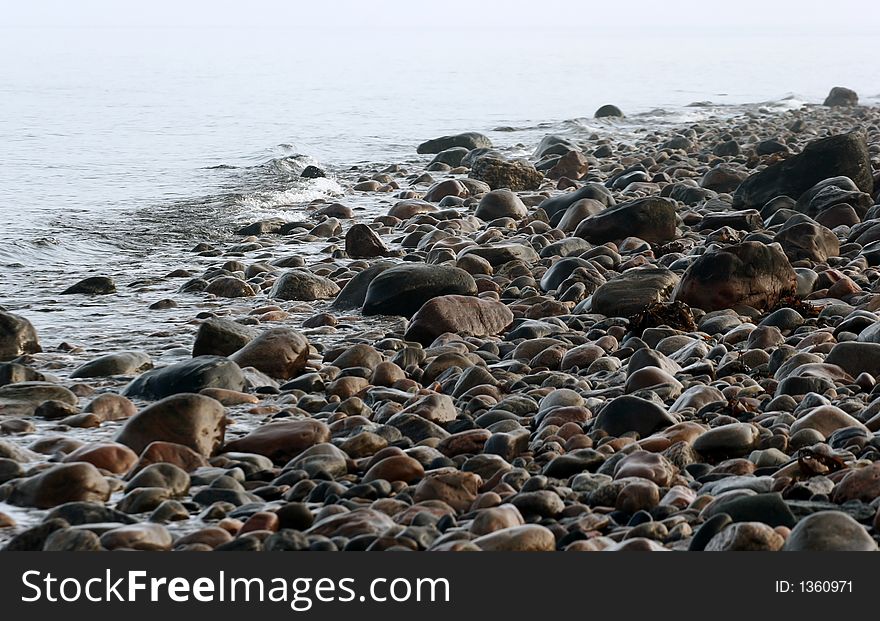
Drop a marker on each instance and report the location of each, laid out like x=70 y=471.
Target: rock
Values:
x=355 y=291
x=221 y=337
x=746 y=537
x=33 y=539
x=732 y=440
x=841 y=96
x=859 y=484
x=109 y=456
x=436 y=408
x=122 y=363
x=633 y=291
x=94 y=285
x=395 y=468
x=841 y=155
x=629 y=413
x=278 y=352
x=321 y=459
x=303 y=286
x=352 y=523
x=191 y=420
x=17 y=337
x=72 y=540
x=516 y=175
x=361 y=242
x=451 y=156
x=562 y=269
x=448 y=187
x=767 y=508
x=651 y=466
x=496 y=518
x=60 y=484
x=829 y=531
x=500 y=204
x=230 y=287
x=23 y=399
x=856 y=358
x=455 y=488
x=14 y=373
x=312 y=172
x=527 y=538
x=499 y=254
x=144 y=536
x=190 y=376
x=750 y=273
x=467 y=140
x=417 y=428
x=652 y=219
x=404 y=289
x=169 y=453
x=165 y=476
x=808 y=240
x=458 y=314
x=110 y=406
x=608 y=110
x=268 y=226
x=406 y=209
x=573 y=165
x=281 y=440
x=826 y=420
x=722 y=179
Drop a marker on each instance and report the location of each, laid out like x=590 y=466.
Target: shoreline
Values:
x=505 y=440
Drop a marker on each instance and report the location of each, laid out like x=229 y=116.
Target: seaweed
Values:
x=677 y=315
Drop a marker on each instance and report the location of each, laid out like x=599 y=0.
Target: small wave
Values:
x=303 y=192
x=290 y=164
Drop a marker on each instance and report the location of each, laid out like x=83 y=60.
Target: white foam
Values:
x=303 y=192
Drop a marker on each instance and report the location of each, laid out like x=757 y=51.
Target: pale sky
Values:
x=493 y=18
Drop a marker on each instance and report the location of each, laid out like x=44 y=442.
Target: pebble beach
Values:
x=659 y=339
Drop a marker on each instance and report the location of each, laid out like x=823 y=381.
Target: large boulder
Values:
x=282 y=440
x=841 y=155
x=515 y=175
x=121 y=363
x=221 y=337
x=652 y=219
x=404 y=289
x=195 y=421
x=500 y=204
x=188 y=376
x=17 y=337
x=633 y=291
x=841 y=96
x=278 y=352
x=751 y=273
x=459 y=314
x=468 y=140
x=303 y=286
